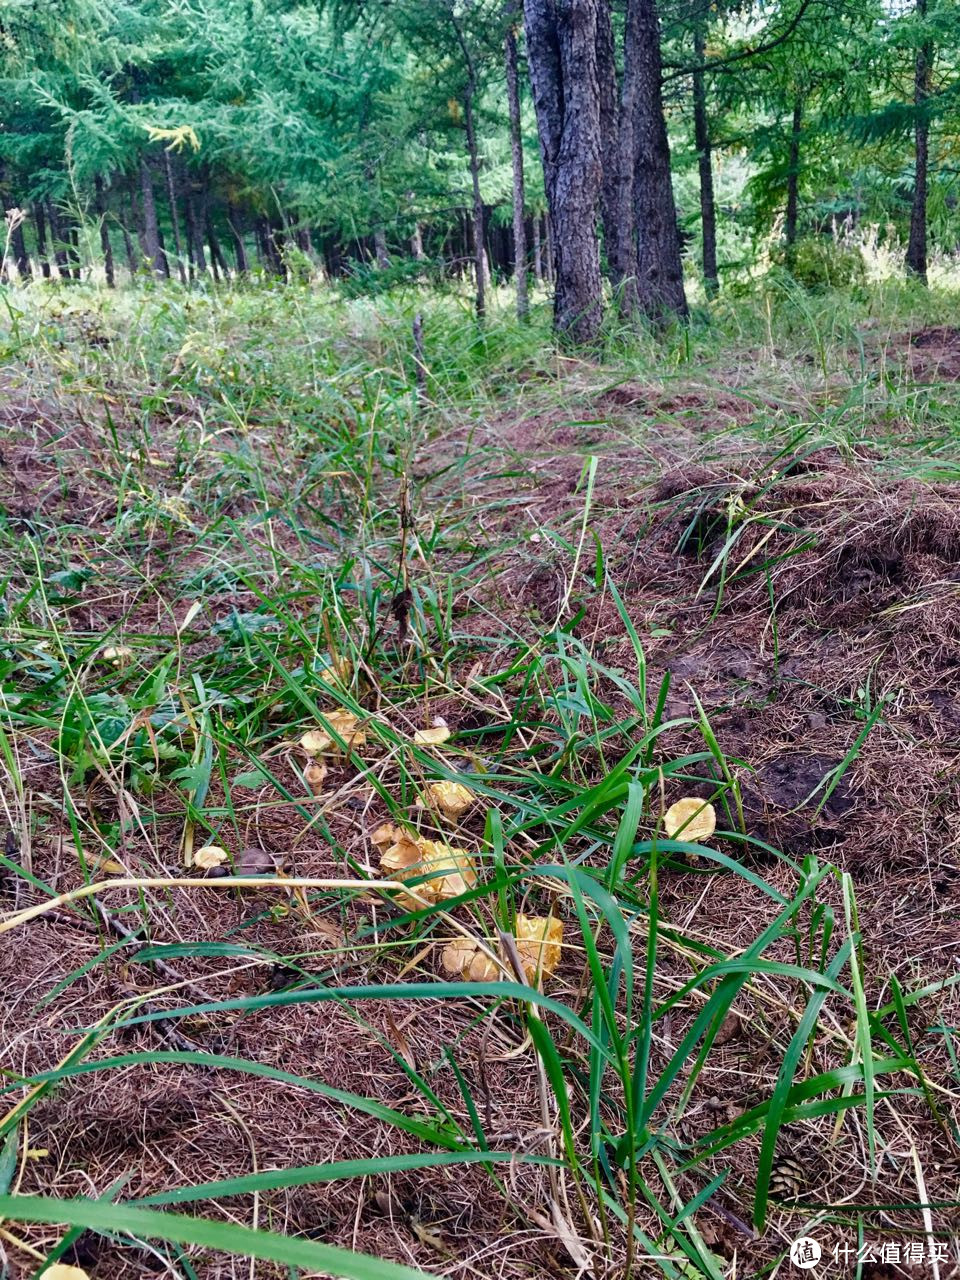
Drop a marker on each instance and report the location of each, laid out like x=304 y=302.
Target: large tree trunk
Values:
x=917 y=243
x=660 y=292
x=106 y=248
x=701 y=130
x=622 y=165
x=174 y=216
x=151 y=228
x=793 y=181
x=40 y=222
x=562 y=52
x=610 y=196
x=516 y=152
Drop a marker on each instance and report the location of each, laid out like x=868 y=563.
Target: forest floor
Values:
x=724 y=565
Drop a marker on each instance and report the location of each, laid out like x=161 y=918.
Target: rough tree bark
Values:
x=512 y=11
x=660 y=292
x=917 y=242
x=701 y=131
x=562 y=52
x=151 y=227
x=619 y=161
x=106 y=248
x=612 y=195
x=791 y=217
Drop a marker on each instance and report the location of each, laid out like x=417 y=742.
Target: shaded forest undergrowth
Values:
x=726 y=565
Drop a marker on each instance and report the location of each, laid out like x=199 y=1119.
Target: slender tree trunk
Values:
x=164 y=256
x=610 y=198
x=516 y=153
x=201 y=205
x=917 y=243
x=269 y=247
x=106 y=248
x=333 y=256
x=537 y=253
x=793 y=181
x=194 y=232
x=479 y=257
x=133 y=261
x=474 y=156
x=40 y=222
x=151 y=228
x=701 y=130
x=71 y=243
x=549 y=261
x=562 y=52
x=174 y=216
x=278 y=239
x=59 y=245
x=216 y=253
x=659 y=267
x=380 y=251
x=239 y=248
x=20 y=255
x=260 y=233
x=416 y=242
x=214 y=263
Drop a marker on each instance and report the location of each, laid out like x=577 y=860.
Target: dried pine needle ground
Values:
x=243 y=637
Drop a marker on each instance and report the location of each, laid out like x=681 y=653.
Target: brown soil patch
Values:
x=839 y=593
x=931 y=355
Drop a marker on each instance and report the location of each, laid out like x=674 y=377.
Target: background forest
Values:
x=383 y=140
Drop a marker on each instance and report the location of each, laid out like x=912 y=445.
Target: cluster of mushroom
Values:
x=434 y=870
x=437 y=872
